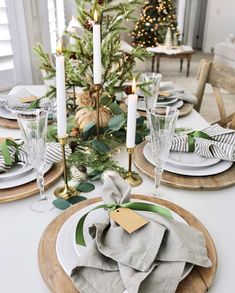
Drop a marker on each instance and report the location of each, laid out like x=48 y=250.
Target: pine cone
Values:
x=73 y=145
x=88 y=25
x=73 y=56
x=128 y=90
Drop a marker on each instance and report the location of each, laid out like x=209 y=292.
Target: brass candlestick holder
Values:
x=97 y=88
x=65 y=191
x=132 y=179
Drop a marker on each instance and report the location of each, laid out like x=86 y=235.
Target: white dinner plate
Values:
x=182 y=159
x=141 y=104
x=4 y=113
x=17 y=170
x=177 y=104
x=22 y=179
x=68 y=252
x=217 y=168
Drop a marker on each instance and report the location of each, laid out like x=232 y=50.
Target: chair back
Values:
x=219 y=77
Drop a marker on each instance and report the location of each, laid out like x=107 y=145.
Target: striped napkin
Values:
x=53 y=154
x=13 y=102
x=220 y=144
x=177 y=92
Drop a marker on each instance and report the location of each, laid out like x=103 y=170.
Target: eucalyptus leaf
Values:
x=100 y=146
x=76 y=199
x=85 y=187
x=116 y=122
x=140 y=121
x=138 y=138
x=94 y=175
x=89 y=130
x=116 y=110
x=61 y=204
x=104 y=101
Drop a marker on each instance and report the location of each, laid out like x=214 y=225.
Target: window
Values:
x=56 y=19
x=7 y=76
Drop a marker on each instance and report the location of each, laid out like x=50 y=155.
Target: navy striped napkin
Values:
x=221 y=145
x=53 y=155
x=13 y=101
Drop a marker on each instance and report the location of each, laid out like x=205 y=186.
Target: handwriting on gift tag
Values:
x=128 y=219
x=28 y=99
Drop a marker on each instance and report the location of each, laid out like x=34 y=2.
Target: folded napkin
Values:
x=178 y=93
x=213 y=142
x=53 y=154
x=151 y=259
x=13 y=102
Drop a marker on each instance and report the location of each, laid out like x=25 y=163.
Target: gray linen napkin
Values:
x=151 y=259
x=222 y=146
x=178 y=93
x=53 y=154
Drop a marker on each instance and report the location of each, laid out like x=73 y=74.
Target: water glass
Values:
x=162 y=126
x=33 y=127
x=151 y=89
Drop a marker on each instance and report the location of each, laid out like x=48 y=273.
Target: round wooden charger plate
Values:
x=28 y=189
x=213 y=182
x=184 y=110
x=198 y=281
x=8 y=123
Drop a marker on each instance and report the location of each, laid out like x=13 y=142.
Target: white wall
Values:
x=220 y=22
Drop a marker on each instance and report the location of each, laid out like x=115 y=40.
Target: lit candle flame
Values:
x=133 y=86
x=95 y=16
x=59 y=47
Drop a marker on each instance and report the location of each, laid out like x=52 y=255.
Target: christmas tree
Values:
x=117 y=65
x=156 y=18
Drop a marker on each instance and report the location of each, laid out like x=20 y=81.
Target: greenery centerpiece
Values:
x=117 y=69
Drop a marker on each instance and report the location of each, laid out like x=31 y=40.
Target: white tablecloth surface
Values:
x=21 y=228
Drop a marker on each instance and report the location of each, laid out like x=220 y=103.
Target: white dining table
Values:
x=21 y=228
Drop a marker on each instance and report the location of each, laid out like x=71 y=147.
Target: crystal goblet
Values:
x=151 y=89
x=33 y=127
x=162 y=126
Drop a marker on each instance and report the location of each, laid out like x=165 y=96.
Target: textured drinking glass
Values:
x=33 y=127
x=152 y=84
x=162 y=126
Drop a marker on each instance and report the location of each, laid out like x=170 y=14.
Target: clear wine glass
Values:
x=33 y=127
x=162 y=126
x=152 y=84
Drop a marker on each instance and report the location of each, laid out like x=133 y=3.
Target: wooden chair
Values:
x=220 y=77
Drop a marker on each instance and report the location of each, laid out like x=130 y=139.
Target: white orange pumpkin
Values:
x=87 y=115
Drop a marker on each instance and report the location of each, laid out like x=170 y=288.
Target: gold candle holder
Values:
x=97 y=88
x=132 y=179
x=65 y=191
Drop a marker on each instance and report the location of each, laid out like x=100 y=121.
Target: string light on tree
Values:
x=156 y=17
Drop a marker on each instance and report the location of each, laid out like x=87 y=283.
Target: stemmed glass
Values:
x=152 y=84
x=33 y=127
x=162 y=126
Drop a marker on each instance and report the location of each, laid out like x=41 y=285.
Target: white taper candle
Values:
x=60 y=94
x=131 y=118
x=96 y=51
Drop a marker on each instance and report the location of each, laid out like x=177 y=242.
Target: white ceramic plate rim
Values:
x=17 y=170
x=191 y=157
x=4 y=113
x=22 y=180
x=188 y=171
x=66 y=248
